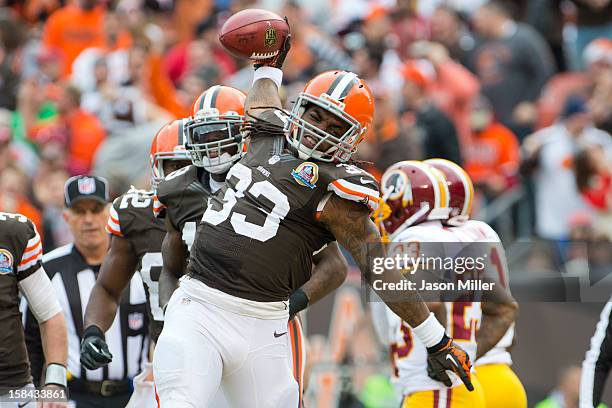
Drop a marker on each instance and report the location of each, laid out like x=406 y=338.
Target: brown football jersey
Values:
x=181 y=197
x=131 y=217
x=20 y=257
x=259 y=232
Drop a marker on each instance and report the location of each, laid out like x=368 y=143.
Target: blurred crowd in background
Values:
x=517 y=92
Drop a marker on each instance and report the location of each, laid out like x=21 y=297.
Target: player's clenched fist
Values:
x=94 y=351
x=448 y=356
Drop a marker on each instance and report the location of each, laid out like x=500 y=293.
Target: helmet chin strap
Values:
x=217 y=165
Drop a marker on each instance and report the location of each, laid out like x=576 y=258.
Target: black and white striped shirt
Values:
x=127 y=339
x=598 y=361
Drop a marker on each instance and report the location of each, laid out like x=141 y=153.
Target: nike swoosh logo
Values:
x=449 y=357
x=366 y=181
x=279 y=334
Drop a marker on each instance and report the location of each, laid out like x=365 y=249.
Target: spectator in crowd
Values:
x=492 y=157
x=565 y=394
x=114 y=52
x=14 y=195
x=547 y=17
x=433 y=128
x=594 y=20
x=454 y=89
x=513 y=63
x=448 y=29
x=85 y=132
x=598 y=60
x=48 y=189
x=548 y=154
x=11 y=39
x=594 y=180
x=76 y=26
x=6 y=156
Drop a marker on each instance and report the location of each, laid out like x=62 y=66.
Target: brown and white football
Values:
x=254 y=34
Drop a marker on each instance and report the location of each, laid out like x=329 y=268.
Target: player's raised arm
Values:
x=350 y=223
x=264 y=49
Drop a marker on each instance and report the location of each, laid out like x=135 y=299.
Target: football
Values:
x=254 y=34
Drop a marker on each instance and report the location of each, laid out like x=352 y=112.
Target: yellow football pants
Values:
x=457 y=397
x=502 y=388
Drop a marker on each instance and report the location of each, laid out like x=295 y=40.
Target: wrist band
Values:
x=56 y=374
x=93 y=330
x=271 y=73
x=430 y=332
x=298 y=301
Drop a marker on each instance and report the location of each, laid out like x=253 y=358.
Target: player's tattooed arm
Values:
x=328 y=274
x=263 y=96
x=350 y=223
x=115 y=273
x=174 y=256
x=499 y=311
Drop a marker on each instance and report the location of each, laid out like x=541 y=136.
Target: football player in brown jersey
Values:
x=215 y=143
x=21 y=271
x=135 y=246
x=291 y=194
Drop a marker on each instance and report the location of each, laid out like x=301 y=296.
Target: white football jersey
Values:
x=409 y=355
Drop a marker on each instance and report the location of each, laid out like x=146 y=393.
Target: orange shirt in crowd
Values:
x=492 y=152
x=86 y=135
x=72 y=29
x=22 y=206
x=454 y=91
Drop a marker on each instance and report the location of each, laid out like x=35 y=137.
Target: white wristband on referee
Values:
x=56 y=374
x=430 y=332
x=274 y=74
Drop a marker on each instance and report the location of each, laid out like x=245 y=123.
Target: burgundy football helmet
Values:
x=460 y=188
x=412 y=192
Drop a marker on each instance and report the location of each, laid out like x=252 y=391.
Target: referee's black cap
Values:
x=85 y=187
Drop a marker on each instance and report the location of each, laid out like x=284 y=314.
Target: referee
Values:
x=73 y=269
x=598 y=361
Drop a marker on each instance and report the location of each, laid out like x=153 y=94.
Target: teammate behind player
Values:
x=255 y=245
x=21 y=271
x=215 y=143
x=135 y=245
x=502 y=388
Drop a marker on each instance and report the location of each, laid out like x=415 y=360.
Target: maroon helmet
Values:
x=460 y=188
x=412 y=192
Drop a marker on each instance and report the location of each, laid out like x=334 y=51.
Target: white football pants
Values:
x=211 y=339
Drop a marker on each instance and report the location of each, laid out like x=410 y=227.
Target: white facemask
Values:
x=217 y=165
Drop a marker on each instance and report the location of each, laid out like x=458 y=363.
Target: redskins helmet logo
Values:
x=270 y=36
x=396 y=185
